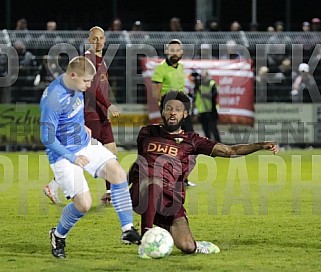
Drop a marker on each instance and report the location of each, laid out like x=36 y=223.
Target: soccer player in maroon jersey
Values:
x=157 y=176
x=97 y=104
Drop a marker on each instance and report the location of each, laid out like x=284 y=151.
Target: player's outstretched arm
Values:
x=221 y=150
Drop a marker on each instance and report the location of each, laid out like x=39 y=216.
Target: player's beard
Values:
x=174 y=59
x=172 y=128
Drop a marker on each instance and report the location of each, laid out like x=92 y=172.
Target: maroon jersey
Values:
x=96 y=97
x=170 y=157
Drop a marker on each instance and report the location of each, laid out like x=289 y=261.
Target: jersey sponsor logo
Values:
x=162 y=149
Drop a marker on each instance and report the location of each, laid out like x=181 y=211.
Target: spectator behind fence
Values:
x=5 y=91
x=22 y=24
x=275 y=44
x=116 y=25
x=307 y=39
x=275 y=87
x=231 y=50
x=28 y=67
x=117 y=77
x=270 y=29
x=315 y=24
x=175 y=24
x=22 y=33
x=50 y=33
x=284 y=76
x=50 y=70
x=262 y=84
x=304 y=88
x=198 y=26
x=199 y=29
x=213 y=25
x=137 y=34
x=237 y=34
x=49 y=36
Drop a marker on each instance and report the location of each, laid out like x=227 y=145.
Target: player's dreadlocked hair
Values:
x=175 y=95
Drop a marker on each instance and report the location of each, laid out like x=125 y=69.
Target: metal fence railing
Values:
x=298 y=46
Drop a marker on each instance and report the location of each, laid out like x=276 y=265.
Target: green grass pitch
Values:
x=262 y=210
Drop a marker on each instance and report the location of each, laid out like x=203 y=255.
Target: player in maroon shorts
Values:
x=97 y=107
x=158 y=190
x=97 y=104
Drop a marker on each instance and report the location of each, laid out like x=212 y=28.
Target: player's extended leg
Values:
x=183 y=239
x=74 y=185
x=71 y=214
x=152 y=196
x=146 y=196
x=106 y=198
x=120 y=197
x=51 y=191
x=182 y=235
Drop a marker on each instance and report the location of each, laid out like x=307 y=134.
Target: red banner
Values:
x=235 y=86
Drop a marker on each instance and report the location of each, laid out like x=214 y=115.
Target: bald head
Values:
x=97 y=40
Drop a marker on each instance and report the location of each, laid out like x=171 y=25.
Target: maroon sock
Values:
x=152 y=198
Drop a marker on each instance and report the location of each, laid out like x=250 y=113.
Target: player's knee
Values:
x=85 y=207
x=113 y=172
x=83 y=203
x=187 y=246
x=155 y=181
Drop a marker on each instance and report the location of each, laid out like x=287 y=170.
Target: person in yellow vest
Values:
x=205 y=102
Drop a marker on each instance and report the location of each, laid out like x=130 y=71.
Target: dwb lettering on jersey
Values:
x=162 y=149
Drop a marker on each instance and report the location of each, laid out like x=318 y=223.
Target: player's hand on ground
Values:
x=113 y=111
x=81 y=161
x=272 y=146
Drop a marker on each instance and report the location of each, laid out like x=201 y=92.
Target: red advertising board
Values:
x=233 y=77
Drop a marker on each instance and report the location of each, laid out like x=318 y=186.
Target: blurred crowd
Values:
x=299 y=81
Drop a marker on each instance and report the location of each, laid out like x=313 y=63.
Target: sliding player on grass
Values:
x=157 y=176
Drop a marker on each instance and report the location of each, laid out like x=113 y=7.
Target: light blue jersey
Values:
x=62 y=121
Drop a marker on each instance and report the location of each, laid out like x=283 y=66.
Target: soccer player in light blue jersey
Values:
x=71 y=150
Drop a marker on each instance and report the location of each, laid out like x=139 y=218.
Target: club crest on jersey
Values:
x=178 y=140
x=103 y=77
x=77 y=106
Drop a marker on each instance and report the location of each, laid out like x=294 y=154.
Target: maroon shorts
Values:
x=164 y=216
x=101 y=131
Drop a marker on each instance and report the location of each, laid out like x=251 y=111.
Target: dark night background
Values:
x=71 y=15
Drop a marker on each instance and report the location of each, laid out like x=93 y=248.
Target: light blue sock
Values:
x=70 y=216
x=123 y=204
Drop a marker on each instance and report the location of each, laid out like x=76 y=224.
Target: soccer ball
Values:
x=157 y=243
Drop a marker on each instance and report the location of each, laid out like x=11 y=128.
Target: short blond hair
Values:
x=82 y=66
